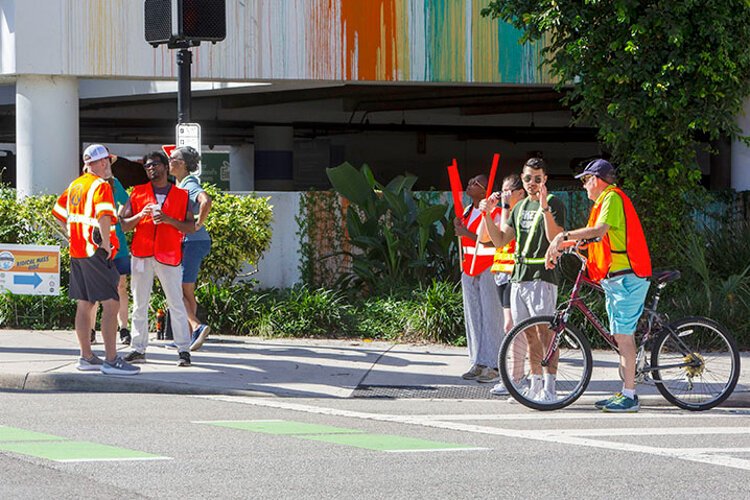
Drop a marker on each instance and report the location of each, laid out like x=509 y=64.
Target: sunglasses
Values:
x=152 y=164
x=475 y=182
x=536 y=178
x=586 y=178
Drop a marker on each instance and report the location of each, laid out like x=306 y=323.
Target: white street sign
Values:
x=30 y=269
x=189 y=134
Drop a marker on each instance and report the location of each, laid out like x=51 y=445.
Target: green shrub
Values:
x=309 y=312
x=240 y=229
x=383 y=317
x=437 y=314
x=37 y=312
x=717 y=282
x=235 y=309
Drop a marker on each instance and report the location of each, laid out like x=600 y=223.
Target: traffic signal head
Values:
x=182 y=23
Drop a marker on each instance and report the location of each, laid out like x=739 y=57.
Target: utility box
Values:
x=185 y=23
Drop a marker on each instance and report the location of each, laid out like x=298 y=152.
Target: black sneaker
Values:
x=136 y=357
x=184 y=359
x=93 y=336
x=125 y=336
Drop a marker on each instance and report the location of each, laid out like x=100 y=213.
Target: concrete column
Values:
x=242 y=168
x=46 y=134
x=741 y=153
x=274 y=158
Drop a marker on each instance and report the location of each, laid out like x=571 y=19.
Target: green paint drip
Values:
x=511 y=54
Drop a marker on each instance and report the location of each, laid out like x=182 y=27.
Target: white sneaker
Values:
x=546 y=397
x=530 y=392
x=499 y=390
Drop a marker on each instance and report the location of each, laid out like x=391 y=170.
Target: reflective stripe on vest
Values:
x=504 y=259
x=521 y=257
x=484 y=253
x=78 y=207
x=481 y=250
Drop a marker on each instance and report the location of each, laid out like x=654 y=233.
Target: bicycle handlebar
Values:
x=580 y=245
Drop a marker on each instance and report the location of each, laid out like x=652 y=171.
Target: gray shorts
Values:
x=93 y=279
x=532 y=298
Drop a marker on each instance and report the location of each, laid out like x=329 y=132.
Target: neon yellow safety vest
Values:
x=521 y=256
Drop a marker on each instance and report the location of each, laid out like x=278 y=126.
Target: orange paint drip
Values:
x=370 y=30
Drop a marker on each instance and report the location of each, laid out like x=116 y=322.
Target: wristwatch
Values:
x=506 y=206
x=565 y=236
x=547 y=209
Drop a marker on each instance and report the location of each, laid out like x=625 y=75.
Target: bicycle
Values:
x=694 y=361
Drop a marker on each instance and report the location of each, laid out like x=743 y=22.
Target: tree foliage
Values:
x=656 y=77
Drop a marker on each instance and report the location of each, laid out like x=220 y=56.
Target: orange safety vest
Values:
x=504 y=259
x=484 y=253
x=82 y=204
x=163 y=241
x=600 y=253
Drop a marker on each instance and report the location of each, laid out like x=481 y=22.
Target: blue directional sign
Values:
x=27 y=279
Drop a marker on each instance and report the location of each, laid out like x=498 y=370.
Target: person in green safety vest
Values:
x=533 y=222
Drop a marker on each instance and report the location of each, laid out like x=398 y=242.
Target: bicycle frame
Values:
x=654 y=322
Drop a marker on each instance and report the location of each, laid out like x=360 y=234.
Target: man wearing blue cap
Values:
x=620 y=263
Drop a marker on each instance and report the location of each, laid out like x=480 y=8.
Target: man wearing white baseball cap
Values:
x=87 y=211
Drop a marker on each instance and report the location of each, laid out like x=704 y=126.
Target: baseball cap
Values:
x=95 y=152
x=600 y=168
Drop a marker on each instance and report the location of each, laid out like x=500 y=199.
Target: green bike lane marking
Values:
x=340 y=435
x=60 y=449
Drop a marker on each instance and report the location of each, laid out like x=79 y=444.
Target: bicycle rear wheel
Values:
x=573 y=364
x=701 y=363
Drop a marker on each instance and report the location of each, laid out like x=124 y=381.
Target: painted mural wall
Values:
x=365 y=40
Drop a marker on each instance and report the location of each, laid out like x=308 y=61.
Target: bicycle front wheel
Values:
x=526 y=344
x=696 y=363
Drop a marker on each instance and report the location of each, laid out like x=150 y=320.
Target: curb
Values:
x=71 y=382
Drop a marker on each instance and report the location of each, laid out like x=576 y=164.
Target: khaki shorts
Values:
x=532 y=298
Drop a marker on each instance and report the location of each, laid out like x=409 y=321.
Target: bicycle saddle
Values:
x=665 y=276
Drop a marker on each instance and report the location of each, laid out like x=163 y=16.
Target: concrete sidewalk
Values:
x=46 y=361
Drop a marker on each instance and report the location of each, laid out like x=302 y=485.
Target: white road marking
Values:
x=436 y=449
x=262 y=420
x=645 y=431
x=712 y=450
x=591 y=415
x=560 y=436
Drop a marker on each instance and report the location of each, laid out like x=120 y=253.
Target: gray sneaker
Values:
x=92 y=364
x=474 y=372
x=119 y=367
x=184 y=359
x=488 y=375
x=136 y=357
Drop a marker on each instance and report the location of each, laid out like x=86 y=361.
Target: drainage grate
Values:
x=423 y=392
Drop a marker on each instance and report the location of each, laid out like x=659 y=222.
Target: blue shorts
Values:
x=122 y=264
x=193 y=253
x=625 y=296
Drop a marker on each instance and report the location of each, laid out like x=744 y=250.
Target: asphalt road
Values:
x=56 y=445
